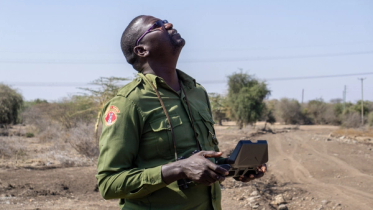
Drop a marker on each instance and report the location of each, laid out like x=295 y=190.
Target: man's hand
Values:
x=197 y=168
x=261 y=170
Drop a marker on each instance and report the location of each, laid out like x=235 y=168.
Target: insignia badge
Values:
x=111 y=115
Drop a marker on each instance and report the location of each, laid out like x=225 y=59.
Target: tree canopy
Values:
x=218 y=107
x=10 y=105
x=245 y=97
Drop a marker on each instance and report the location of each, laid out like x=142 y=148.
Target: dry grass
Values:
x=82 y=139
x=52 y=133
x=65 y=158
x=352 y=120
x=12 y=146
x=365 y=132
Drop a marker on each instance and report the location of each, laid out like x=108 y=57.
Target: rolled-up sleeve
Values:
x=119 y=144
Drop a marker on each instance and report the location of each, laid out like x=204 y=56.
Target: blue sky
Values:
x=49 y=48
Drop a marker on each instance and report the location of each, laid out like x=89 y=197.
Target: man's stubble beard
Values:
x=176 y=46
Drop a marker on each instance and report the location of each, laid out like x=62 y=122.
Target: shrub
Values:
x=330 y=115
x=82 y=139
x=29 y=135
x=352 y=120
x=268 y=114
x=370 y=119
x=218 y=107
x=10 y=105
x=37 y=117
x=74 y=109
x=357 y=107
x=290 y=111
x=11 y=146
x=316 y=111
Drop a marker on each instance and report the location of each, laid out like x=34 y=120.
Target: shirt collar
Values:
x=151 y=77
x=187 y=80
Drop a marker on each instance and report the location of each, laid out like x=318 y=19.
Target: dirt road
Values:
x=329 y=172
x=307 y=168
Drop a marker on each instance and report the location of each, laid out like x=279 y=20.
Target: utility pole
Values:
x=362 y=100
x=302 y=95
x=344 y=99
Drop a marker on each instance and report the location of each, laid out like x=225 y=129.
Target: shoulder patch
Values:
x=111 y=115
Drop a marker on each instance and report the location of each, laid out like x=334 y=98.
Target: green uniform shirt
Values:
x=136 y=141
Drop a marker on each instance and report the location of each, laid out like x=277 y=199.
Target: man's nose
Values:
x=168 y=26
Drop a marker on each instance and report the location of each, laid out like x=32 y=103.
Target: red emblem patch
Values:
x=111 y=115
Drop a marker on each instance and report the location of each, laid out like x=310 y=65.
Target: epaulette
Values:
x=128 y=88
x=200 y=86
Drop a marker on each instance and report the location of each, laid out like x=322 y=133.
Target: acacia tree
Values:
x=245 y=98
x=10 y=105
x=218 y=107
x=108 y=88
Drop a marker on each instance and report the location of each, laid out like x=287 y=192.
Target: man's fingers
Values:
x=208 y=179
x=216 y=176
x=217 y=169
x=220 y=178
x=211 y=154
x=260 y=174
x=204 y=182
x=262 y=168
x=250 y=177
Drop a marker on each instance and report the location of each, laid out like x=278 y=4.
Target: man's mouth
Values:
x=174 y=32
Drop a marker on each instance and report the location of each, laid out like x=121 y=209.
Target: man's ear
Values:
x=141 y=51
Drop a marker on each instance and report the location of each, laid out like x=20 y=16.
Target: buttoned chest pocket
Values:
x=160 y=137
x=207 y=136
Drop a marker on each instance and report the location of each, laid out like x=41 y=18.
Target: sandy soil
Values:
x=308 y=169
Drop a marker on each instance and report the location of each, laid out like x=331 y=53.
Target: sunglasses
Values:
x=157 y=24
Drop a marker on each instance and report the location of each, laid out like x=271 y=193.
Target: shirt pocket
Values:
x=162 y=135
x=208 y=131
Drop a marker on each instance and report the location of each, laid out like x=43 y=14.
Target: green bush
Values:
x=218 y=107
x=10 y=105
x=29 y=135
x=316 y=110
x=357 y=107
x=245 y=98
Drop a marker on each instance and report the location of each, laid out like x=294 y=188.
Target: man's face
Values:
x=159 y=34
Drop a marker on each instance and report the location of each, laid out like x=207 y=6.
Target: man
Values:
x=153 y=126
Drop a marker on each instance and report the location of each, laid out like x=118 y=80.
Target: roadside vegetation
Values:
x=69 y=128
x=246 y=103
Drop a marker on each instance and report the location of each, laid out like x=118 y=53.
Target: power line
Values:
x=122 y=61
x=53 y=84
x=190 y=49
x=319 y=77
x=297 y=78
x=278 y=57
x=67 y=84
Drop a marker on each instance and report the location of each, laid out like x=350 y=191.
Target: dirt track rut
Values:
x=298 y=158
